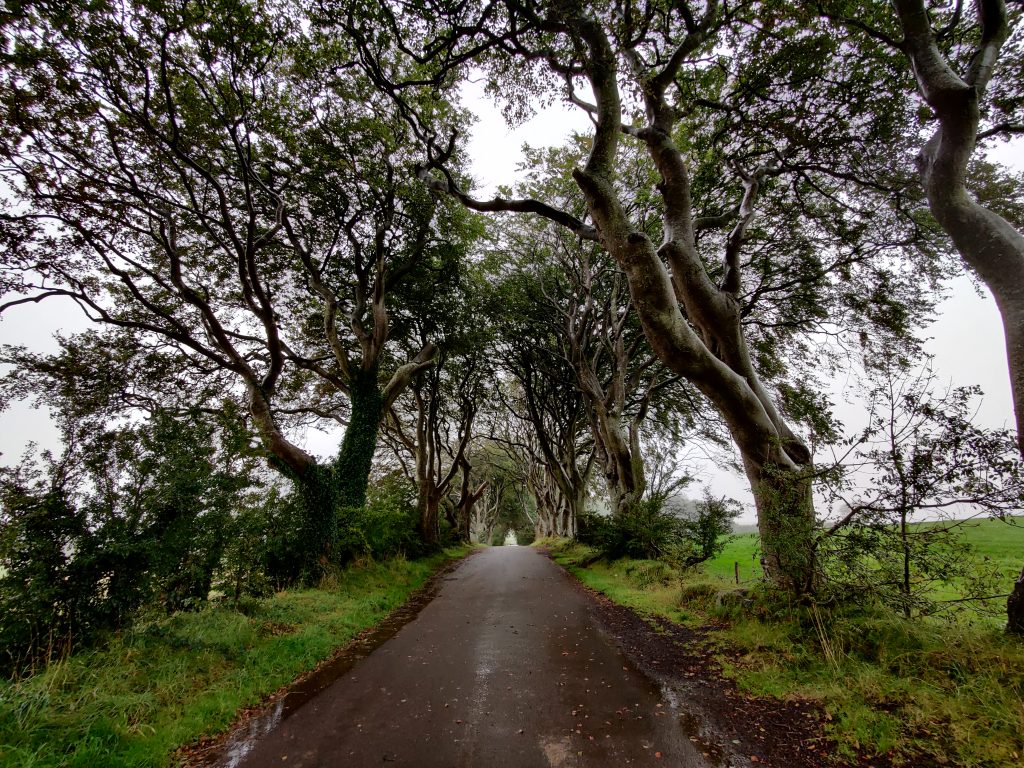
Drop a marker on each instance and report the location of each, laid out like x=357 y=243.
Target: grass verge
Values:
x=921 y=692
x=165 y=683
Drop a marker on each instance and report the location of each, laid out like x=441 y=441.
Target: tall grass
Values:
x=167 y=682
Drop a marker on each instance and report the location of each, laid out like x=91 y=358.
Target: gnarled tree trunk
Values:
x=987 y=242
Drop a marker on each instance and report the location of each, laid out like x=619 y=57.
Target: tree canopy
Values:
x=266 y=208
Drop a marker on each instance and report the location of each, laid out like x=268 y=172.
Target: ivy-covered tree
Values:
x=215 y=181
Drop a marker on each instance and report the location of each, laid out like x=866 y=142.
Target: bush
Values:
x=649 y=531
x=645 y=531
x=126 y=519
x=705 y=535
x=648 y=573
x=525 y=536
x=385 y=527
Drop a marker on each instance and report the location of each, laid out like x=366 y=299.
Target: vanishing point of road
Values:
x=506 y=666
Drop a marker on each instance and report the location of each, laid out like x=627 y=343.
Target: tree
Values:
x=435 y=424
x=207 y=180
x=583 y=295
x=687 y=276
x=552 y=438
x=126 y=517
x=446 y=401
x=969 y=79
x=920 y=458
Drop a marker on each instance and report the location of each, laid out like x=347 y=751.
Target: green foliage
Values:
x=650 y=530
x=129 y=517
x=524 y=536
x=264 y=551
x=169 y=681
x=386 y=526
x=351 y=470
x=707 y=532
x=646 y=530
x=926 y=460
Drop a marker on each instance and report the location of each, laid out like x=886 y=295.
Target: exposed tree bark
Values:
x=444 y=420
x=987 y=242
x=468 y=498
x=617 y=380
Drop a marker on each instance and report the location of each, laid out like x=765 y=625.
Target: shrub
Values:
x=705 y=534
x=386 y=526
x=645 y=531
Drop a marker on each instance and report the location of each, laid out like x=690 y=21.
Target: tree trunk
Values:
x=785 y=522
x=355 y=459
x=430 y=517
x=618 y=464
x=318 y=529
x=1015 y=608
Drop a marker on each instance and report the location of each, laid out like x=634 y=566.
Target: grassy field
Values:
x=1001 y=543
x=168 y=682
x=923 y=692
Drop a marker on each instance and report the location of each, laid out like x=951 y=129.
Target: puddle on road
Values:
x=229 y=752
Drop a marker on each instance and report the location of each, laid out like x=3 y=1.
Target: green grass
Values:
x=165 y=683
x=922 y=691
x=744 y=551
x=1000 y=544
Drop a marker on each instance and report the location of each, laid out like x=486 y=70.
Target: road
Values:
x=505 y=667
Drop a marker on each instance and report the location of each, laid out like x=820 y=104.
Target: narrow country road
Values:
x=505 y=667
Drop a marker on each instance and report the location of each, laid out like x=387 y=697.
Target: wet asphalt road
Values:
x=505 y=667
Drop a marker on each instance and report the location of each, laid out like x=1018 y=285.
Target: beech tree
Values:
x=967 y=65
x=445 y=404
x=968 y=70
x=714 y=289
x=212 y=180
x=630 y=396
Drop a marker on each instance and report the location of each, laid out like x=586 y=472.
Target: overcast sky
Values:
x=966 y=340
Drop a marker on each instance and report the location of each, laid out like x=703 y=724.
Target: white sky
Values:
x=966 y=340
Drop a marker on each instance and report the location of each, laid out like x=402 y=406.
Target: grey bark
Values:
x=987 y=242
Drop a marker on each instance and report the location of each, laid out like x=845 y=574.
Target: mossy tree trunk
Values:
x=785 y=521
x=352 y=467
x=318 y=529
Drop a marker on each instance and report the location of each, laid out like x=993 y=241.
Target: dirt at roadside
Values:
x=769 y=731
